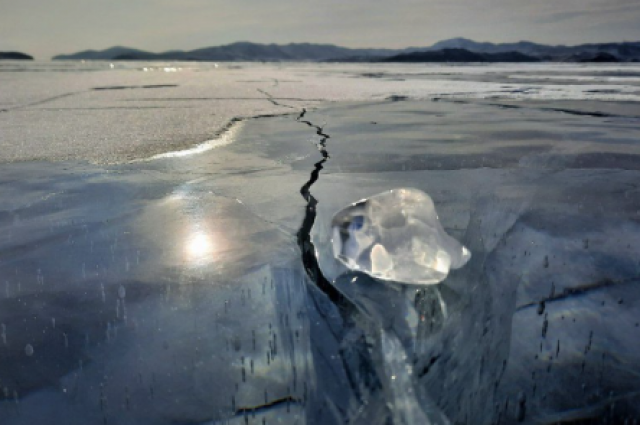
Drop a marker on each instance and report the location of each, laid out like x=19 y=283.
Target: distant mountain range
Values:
x=241 y=51
x=453 y=50
x=460 y=55
x=15 y=56
x=624 y=51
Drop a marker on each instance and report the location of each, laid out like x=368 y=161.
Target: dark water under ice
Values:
x=175 y=291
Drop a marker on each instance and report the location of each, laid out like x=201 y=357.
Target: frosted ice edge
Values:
x=396 y=235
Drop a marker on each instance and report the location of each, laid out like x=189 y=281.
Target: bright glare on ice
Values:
x=396 y=235
x=199 y=247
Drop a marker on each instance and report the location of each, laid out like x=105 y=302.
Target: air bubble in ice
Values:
x=28 y=350
x=396 y=235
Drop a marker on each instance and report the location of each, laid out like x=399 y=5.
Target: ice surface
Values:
x=172 y=291
x=139 y=110
x=505 y=338
x=396 y=235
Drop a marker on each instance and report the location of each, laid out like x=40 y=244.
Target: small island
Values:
x=15 y=56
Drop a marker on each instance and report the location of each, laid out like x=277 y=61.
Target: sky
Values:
x=44 y=28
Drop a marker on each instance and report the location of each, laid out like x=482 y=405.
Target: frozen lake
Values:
x=165 y=252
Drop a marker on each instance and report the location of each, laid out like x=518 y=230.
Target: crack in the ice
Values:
x=222 y=132
x=41 y=102
x=148 y=86
x=596 y=114
x=189 y=99
x=579 y=290
x=308 y=249
x=271 y=99
x=269 y=405
x=346 y=308
x=576 y=112
x=266 y=407
x=107 y=108
x=427 y=367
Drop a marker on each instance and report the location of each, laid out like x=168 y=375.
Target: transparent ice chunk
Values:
x=396 y=235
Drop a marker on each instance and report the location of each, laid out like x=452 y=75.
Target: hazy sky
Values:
x=47 y=27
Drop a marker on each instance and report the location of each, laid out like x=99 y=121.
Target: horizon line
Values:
x=339 y=45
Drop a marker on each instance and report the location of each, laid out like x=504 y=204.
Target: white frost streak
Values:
x=226 y=138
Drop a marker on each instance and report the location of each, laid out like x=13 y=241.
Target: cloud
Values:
x=560 y=17
x=603 y=12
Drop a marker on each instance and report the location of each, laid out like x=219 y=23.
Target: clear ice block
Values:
x=396 y=235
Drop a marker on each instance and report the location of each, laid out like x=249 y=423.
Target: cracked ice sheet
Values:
x=554 y=238
x=144 y=301
x=484 y=167
x=141 y=109
x=147 y=220
x=166 y=291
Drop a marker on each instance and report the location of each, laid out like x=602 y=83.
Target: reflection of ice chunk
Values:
x=396 y=235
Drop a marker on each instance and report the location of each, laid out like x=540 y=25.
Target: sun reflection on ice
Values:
x=199 y=248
